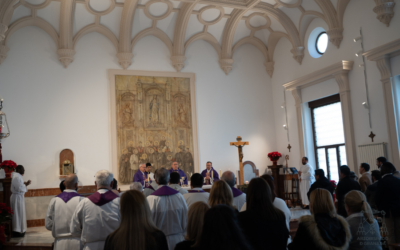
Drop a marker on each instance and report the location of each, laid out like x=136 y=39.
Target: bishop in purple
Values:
x=141 y=175
x=209 y=174
x=175 y=168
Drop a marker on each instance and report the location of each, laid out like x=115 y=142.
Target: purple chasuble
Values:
x=236 y=192
x=66 y=196
x=165 y=191
x=151 y=188
x=101 y=199
x=196 y=191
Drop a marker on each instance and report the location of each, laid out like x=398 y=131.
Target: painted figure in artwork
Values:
x=127 y=113
x=154 y=110
x=181 y=114
x=124 y=168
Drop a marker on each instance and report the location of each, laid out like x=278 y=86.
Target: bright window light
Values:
x=322 y=43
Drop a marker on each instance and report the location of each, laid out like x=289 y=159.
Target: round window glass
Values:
x=322 y=43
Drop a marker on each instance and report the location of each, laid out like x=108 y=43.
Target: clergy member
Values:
x=59 y=215
x=152 y=187
x=17 y=202
x=239 y=198
x=141 y=175
x=307 y=178
x=196 y=193
x=169 y=210
x=209 y=174
x=174 y=179
x=175 y=168
x=150 y=175
x=97 y=216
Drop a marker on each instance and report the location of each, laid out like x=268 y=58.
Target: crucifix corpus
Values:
x=240 y=144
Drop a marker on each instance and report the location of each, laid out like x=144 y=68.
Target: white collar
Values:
x=69 y=191
x=354 y=215
x=102 y=190
x=385 y=175
x=174 y=185
x=365 y=173
x=197 y=189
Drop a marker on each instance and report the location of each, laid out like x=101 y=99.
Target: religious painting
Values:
x=153 y=121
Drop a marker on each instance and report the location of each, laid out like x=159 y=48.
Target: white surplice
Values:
x=149 y=191
x=58 y=221
x=307 y=178
x=178 y=188
x=191 y=198
x=170 y=216
x=17 y=202
x=239 y=201
x=94 y=223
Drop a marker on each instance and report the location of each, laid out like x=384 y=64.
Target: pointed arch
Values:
x=206 y=37
x=273 y=40
x=153 y=32
x=305 y=20
x=96 y=28
x=256 y=42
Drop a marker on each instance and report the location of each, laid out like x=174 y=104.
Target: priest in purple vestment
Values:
x=175 y=168
x=141 y=175
x=209 y=174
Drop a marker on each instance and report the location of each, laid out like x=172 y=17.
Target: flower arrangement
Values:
x=334 y=184
x=5 y=213
x=274 y=156
x=8 y=166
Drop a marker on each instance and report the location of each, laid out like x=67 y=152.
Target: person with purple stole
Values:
x=174 y=179
x=196 y=193
x=239 y=198
x=209 y=174
x=141 y=175
x=169 y=209
x=59 y=215
x=98 y=215
x=175 y=168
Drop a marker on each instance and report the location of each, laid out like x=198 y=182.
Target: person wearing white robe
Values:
x=169 y=210
x=174 y=181
x=196 y=193
x=239 y=198
x=307 y=178
x=150 y=189
x=59 y=215
x=98 y=215
x=17 y=201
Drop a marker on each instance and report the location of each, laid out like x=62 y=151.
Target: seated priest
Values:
x=175 y=168
x=141 y=175
x=196 y=193
x=59 y=215
x=169 y=209
x=239 y=198
x=320 y=182
x=174 y=179
x=209 y=174
x=97 y=216
x=17 y=202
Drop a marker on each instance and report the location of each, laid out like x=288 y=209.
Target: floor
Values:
x=298 y=212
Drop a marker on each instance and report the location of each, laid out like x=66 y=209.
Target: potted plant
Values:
x=5 y=216
x=9 y=167
x=334 y=184
x=274 y=157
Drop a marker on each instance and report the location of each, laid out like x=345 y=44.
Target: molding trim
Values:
x=384 y=10
x=390 y=49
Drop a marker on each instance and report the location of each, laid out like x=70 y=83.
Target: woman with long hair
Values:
x=323 y=229
x=360 y=215
x=220 y=194
x=194 y=226
x=137 y=230
x=262 y=223
x=221 y=230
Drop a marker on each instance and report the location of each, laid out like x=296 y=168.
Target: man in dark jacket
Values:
x=388 y=200
x=345 y=185
x=370 y=193
x=321 y=182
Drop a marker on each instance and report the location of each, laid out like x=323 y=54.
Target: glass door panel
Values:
x=333 y=164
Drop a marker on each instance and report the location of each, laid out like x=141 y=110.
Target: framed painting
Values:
x=153 y=119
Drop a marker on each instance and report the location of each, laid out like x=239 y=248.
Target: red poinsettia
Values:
x=274 y=156
x=334 y=184
x=8 y=166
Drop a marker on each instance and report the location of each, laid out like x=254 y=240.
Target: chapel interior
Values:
x=87 y=85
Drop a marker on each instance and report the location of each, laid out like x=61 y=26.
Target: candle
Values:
x=247 y=182
x=220 y=173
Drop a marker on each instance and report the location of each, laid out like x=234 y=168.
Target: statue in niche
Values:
x=154 y=110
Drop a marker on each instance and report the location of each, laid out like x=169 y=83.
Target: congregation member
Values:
x=239 y=198
x=98 y=215
x=345 y=185
x=323 y=229
x=263 y=225
x=221 y=194
x=365 y=179
x=141 y=175
x=388 y=200
x=209 y=174
x=17 y=201
x=360 y=216
x=353 y=176
x=175 y=168
x=169 y=209
x=62 y=186
x=115 y=187
x=320 y=182
x=370 y=193
x=307 y=178
x=137 y=229
x=194 y=227
x=59 y=215
x=174 y=180
x=380 y=161
x=136 y=186
x=196 y=193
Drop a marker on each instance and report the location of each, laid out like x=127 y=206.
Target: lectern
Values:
x=6 y=190
x=275 y=173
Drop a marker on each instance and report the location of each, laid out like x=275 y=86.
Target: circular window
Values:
x=321 y=43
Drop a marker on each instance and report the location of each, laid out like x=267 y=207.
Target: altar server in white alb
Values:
x=98 y=215
x=169 y=209
x=307 y=178
x=59 y=215
x=196 y=193
x=17 y=201
x=239 y=198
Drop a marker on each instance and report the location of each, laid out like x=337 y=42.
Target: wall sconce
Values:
x=361 y=65
x=283 y=105
x=285 y=127
x=365 y=105
x=359 y=53
x=357 y=39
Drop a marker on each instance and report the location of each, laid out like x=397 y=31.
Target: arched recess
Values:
x=206 y=37
x=255 y=42
x=30 y=21
x=305 y=21
x=273 y=40
x=96 y=28
x=153 y=32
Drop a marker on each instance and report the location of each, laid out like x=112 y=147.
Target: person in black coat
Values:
x=370 y=193
x=321 y=182
x=345 y=185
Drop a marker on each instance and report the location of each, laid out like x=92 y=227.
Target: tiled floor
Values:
x=35 y=235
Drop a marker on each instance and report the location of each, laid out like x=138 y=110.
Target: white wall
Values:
x=358 y=14
x=50 y=108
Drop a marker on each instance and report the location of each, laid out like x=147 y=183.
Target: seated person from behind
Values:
x=174 y=180
x=196 y=193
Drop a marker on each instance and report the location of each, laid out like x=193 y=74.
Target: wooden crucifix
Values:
x=240 y=144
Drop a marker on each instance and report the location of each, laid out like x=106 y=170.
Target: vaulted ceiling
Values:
x=225 y=24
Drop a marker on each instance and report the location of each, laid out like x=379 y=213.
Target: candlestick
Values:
x=220 y=173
